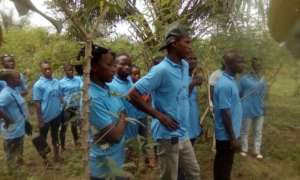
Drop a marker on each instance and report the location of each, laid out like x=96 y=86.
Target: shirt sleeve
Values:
x=37 y=93
x=100 y=116
x=5 y=99
x=223 y=97
x=151 y=81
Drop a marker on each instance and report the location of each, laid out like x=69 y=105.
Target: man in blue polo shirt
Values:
x=168 y=83
x=121 y=84
x=70 y=86
x=14 y=113
x=8 y=62
x=47 y=97
x=228 y=115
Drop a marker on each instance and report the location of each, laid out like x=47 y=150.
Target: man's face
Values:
x=257 y=67
x=69 y=71
x=135 y=74
x=123 y=66
x=8 y=62
x=15 y=80
x=192 y=60
x=238 y=64
x=183 y=46
x=46 y=70
x=105 y=68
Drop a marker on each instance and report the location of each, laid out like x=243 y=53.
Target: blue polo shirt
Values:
x=194 y=129
x=121 y=88
x=102 y=105
x=2 y=84
x=168 y=83
x=47 y=91
x=71 y=91
x=14 y=106
x=226 y=96
x=252 y=91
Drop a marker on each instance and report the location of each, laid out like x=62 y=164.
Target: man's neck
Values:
x=174 y=58
x=70 y=77
x=122 y=78
x=99 y=83
x=48 y=77
x=230 y=72
x=11 y=86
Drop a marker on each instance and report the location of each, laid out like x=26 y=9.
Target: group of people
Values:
x=122 y=104
x=54 y=102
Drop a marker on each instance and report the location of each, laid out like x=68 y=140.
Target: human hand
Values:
x=167 y=122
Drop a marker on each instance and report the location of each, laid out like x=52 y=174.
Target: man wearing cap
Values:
x=168 y=83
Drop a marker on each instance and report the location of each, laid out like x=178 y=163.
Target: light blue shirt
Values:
x=47 y=91
x=121 y=88
x=226 y=96
x=2 y=84
x=168 y=83
x=71 y=91
x=252 y=92
x=14 y=106
x=104 y=110
x=194 y=129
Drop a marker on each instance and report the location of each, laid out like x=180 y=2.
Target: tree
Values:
x=23 y=7
x=284 y=23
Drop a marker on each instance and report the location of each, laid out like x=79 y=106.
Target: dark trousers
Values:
x=68 y=117
x=13 y=149
x=54 y=126
x=223 y=160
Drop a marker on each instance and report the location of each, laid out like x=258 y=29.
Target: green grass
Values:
x=281 y=147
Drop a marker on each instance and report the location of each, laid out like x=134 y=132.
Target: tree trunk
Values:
x=85 y=110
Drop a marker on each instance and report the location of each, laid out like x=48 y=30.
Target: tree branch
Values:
x=74 y=19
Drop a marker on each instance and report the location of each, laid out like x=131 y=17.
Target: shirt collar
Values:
x=121 y=81
x=69 y=79
x=228 y=76
x=102 y=90
x=45 y=79
x=174 y=64
x=10 y=89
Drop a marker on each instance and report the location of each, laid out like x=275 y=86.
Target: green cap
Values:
x=173 y=34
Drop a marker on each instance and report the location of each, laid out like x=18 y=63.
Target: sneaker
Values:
x=259 y=156
x=244 y=154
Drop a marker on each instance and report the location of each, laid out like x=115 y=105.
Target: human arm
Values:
x=227 y=121
x=137 y=100
x=38 y=110
x=196 y=81
x=113 y=132
x=6 y=119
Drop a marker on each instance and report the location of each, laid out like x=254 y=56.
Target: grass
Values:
x=281 y=147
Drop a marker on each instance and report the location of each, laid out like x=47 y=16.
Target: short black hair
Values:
x=44 y=62
x=135 y=66
x=68 y=65
x=97 y=53
x=6 y=74
x=122 y=54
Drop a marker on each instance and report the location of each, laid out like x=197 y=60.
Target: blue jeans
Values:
x=257 y=126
